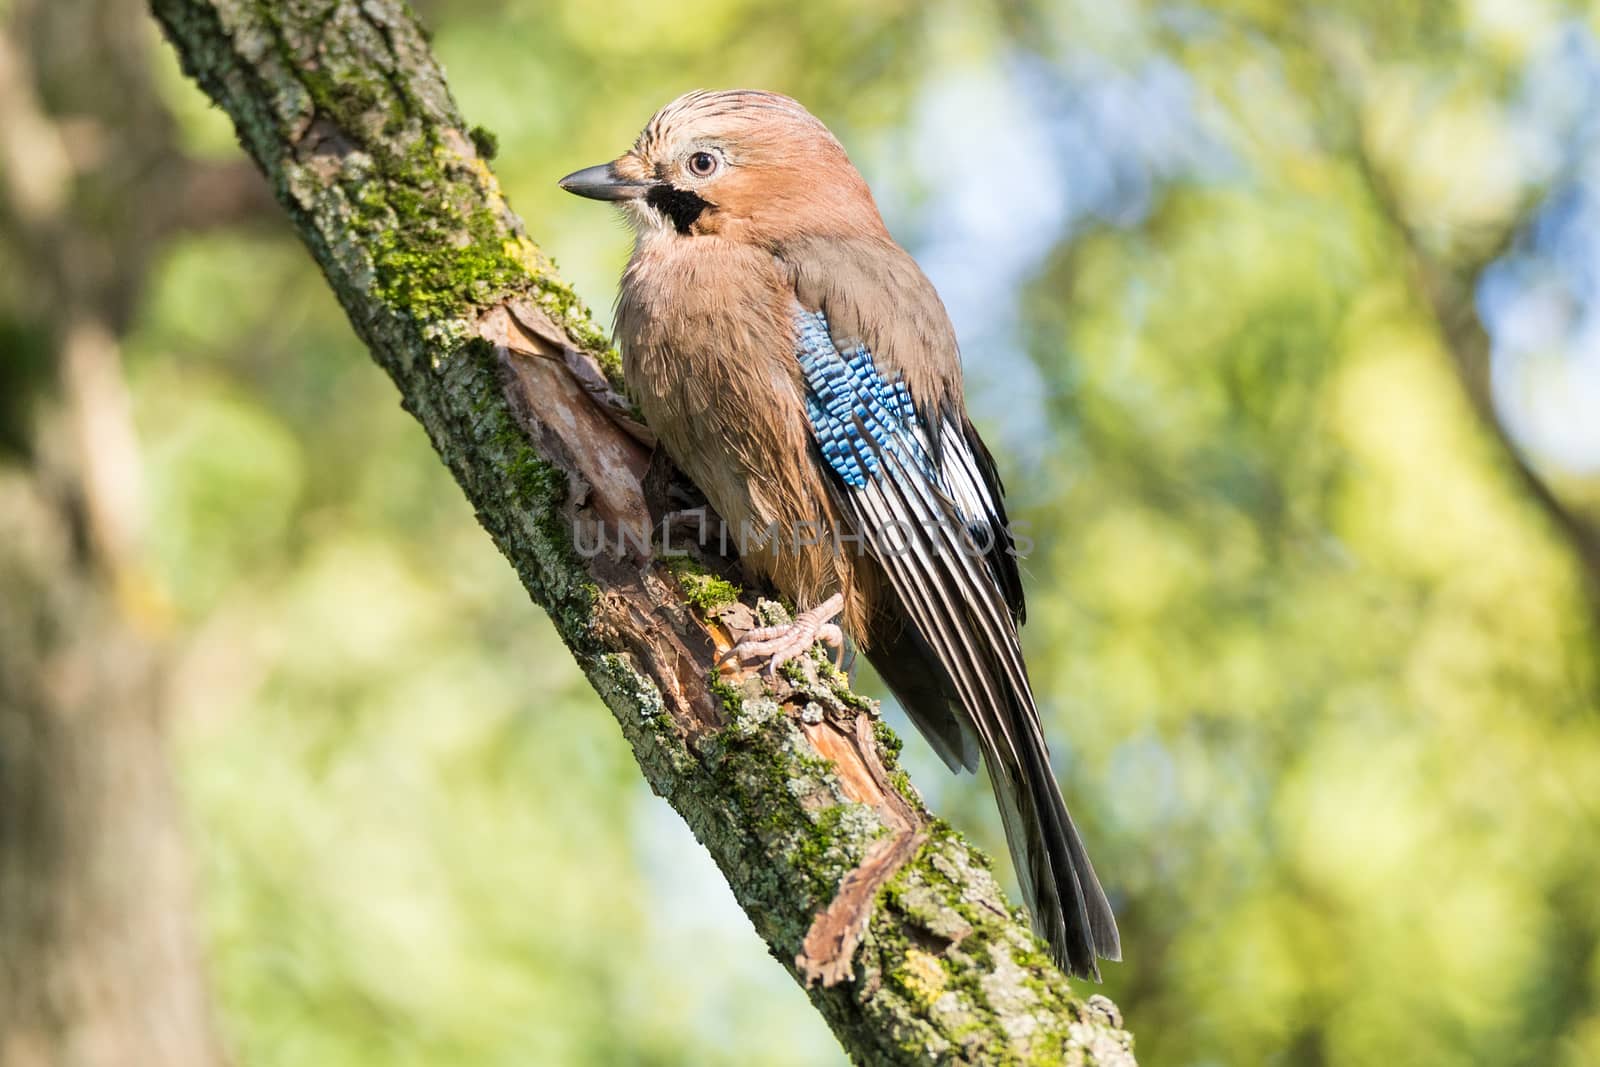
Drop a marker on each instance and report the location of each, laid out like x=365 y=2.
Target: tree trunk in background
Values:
x=100 y=964
x=890 y=920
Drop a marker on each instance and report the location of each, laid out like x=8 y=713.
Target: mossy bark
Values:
x=792 y=787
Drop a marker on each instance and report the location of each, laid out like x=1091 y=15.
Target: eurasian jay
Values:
x=798 y=366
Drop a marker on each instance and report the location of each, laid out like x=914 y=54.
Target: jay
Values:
x=799 y=368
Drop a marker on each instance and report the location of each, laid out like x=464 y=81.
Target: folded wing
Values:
x=922 y=492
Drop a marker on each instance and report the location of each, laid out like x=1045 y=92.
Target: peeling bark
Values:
x=794 y=788
x=830 y=944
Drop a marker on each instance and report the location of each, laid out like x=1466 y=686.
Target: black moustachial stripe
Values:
x=679 y=205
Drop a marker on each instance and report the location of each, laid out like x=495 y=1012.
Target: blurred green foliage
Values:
x=1320 y=682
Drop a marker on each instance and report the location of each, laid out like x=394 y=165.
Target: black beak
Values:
x=602 y=183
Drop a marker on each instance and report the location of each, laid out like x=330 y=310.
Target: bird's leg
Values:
x=780 y=644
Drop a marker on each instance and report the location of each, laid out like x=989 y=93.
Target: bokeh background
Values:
x=1283 y=318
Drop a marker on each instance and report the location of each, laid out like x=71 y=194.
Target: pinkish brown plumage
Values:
x=798 y=366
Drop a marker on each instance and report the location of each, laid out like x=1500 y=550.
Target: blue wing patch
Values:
x=856 y=413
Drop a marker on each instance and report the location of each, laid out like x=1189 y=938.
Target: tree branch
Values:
x=1446 y=289
x=795 y=792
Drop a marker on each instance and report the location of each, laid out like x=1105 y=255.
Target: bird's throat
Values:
x=680 y=205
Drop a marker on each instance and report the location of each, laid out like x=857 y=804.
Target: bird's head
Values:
x=742 y=164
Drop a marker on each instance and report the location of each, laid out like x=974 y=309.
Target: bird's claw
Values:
x=780 y=644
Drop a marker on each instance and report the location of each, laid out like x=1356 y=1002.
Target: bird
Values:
x=799 y=368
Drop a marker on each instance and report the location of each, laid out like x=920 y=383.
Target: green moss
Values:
x=815 y=844
x=837 y=683
x=922 y=975
x=536 y=483
x=485 y=142
x=729 y=697
x=431 y=256
x=537 y=486
x=889 y=746
x=706 y=592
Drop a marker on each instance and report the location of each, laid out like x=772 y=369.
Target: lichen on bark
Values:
x=792 y=785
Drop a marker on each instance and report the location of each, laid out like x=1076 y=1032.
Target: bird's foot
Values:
x=780 y=644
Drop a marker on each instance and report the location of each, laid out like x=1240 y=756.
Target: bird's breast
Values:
x=705 y=335
x=707 y=329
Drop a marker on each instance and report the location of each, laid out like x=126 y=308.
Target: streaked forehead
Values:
x=706 y=109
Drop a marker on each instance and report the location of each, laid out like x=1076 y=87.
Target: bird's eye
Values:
x=702 y=164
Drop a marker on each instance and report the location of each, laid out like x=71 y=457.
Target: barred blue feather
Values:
x=855 y=412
